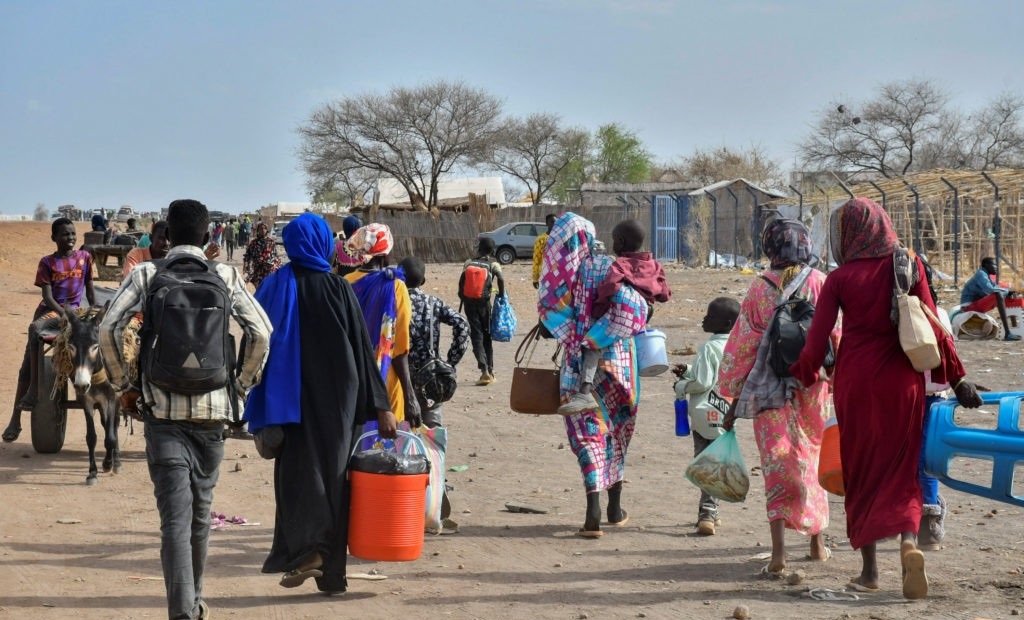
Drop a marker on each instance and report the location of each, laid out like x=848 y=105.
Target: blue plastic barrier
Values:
x=1003 y=446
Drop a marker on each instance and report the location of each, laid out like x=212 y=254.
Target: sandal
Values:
x=825 y=594
x=828 y=556
x=582 y=533
x=915 y=580
x=773 y=574
x=295 y=578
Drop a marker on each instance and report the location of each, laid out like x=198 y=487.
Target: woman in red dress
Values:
x=878 y=396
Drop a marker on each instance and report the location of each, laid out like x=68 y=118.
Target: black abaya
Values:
x=341 y=389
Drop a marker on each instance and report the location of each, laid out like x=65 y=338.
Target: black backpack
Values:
x=187 y=347
x=787 y=331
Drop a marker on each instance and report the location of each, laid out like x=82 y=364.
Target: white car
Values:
x=124 y=213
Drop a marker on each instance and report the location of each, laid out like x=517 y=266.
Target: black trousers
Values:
x=478 y=313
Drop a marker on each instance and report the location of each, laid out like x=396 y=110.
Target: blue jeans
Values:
x=929 y=485
x=184 y=460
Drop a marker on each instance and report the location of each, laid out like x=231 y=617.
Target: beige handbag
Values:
x=917 y=336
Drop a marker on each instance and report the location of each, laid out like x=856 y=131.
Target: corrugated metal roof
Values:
x=722 y=184
x=392 y=192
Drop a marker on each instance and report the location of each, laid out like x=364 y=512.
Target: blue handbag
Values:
x=503 y=320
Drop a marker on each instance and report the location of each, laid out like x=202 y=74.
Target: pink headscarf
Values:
x=369 y=241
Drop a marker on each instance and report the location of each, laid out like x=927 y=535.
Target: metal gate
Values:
x=669 y=215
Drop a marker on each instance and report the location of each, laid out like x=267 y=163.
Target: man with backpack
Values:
x=187 y=387
x=475 y=287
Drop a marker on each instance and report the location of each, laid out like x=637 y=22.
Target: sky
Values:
x=106 y=103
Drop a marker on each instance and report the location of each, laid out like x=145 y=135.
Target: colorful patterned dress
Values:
x=599 y=438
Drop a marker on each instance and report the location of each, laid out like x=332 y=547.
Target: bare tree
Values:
x=886 y=136
x=415 y=135
x=41 y=214
x=725 y=163
x=343 y=188
x=995 y=136
x=537 y=152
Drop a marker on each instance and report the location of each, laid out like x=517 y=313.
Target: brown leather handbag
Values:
x=534 y=390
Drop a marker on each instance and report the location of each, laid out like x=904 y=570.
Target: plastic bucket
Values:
x=1002 y=446
x=830 y=465
x=652 y=359
x=386 y=517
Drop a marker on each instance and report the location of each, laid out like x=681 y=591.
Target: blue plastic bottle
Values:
x=682 y=418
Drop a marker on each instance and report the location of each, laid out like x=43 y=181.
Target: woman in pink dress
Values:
x=788 y=419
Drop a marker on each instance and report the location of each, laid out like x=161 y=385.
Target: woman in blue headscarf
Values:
x=320 y=383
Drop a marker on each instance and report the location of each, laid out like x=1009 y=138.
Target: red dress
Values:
x=878 y=397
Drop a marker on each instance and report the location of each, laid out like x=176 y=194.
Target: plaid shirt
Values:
x=212 y=406
x=428 y=312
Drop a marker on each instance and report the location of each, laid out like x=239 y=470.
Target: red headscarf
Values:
x=860 y=228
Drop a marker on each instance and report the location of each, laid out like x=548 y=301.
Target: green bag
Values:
x=719 y=470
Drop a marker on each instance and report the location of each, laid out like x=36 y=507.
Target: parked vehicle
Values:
x=124 y=213
x=516 y=240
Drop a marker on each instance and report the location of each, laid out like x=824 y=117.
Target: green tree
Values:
x=619 y=156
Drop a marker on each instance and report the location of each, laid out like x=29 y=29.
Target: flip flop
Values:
x=825 y=594
x=773 y=574
x=915 y=580
x=582 y=533
x=625 y=520
x=857 y=586
x=296 y=578
x=828 y=556
x=367 y=576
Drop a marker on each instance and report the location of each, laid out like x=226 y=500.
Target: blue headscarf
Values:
x=349 y=225
x=277 y=399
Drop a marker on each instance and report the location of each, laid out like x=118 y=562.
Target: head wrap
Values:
x=308 y=242
x=786 y=242
x=570 y=245
x=860 y=228
x=369 y=241
x=350 y=224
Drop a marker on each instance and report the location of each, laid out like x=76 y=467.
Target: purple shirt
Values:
x=66 y=276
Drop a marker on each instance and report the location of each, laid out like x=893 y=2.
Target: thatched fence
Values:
x=446 y=236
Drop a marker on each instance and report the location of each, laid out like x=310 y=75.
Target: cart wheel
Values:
x=50 y=416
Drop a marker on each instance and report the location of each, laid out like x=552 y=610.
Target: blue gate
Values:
x=669 y=216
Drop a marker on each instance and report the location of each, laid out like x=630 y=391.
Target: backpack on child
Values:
x=787 y=331
x=475 y=283
x=187 y=347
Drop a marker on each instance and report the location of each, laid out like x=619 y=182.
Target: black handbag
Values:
x=435 y=381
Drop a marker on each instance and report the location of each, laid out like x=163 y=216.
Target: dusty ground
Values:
x=106 y=564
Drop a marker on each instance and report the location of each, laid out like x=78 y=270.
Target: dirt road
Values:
x=72 y=551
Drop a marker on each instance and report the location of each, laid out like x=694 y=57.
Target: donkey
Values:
x=93 y=389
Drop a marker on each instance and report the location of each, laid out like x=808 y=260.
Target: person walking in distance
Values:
x=479 y=275
x=538 y=248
